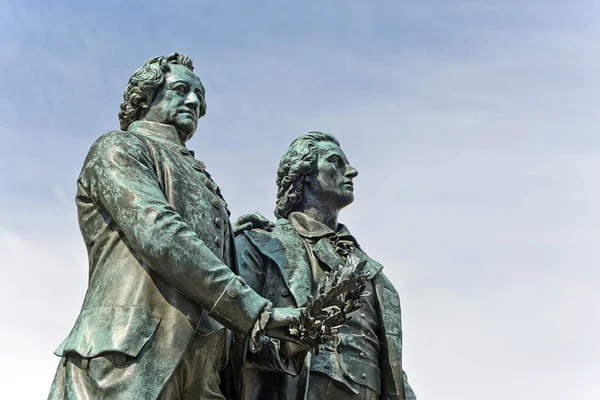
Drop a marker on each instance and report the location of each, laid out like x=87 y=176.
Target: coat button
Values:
x=184 y=150
x=219 y=222
x=232 y=292
x=362 y=355
x=216 y=203
x=193 y=318
x=218 y=241
x=120 y=359
x=84 y=363
x=284 y=292
x=364 y=376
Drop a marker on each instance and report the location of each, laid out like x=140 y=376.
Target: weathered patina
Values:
x=162 y=283
x=315 y=181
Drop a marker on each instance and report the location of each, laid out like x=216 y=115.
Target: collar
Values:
x=156 y=129
x=312 y=229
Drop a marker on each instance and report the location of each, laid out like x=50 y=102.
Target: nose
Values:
x=351 y=171
x=192 y=100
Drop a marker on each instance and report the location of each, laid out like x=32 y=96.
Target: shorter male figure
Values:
x=315 y=181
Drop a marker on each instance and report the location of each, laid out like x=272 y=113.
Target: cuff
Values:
x=258 y=330
x=238 y=306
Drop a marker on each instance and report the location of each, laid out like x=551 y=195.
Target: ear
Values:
x=306 y=180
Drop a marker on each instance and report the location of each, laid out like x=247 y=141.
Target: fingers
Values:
x=283 y=316
x=241 y=220
x=269 y=227
x=250 y=221
x=262 y=222
x=238 y=229
x=282 y=334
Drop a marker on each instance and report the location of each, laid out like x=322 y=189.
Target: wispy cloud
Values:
x=471 y=124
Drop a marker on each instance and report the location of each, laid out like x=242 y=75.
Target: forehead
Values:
x=327 y=149
x=179 y=73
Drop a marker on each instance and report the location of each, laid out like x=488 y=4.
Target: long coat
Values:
x=276 y=265
x=160 y=256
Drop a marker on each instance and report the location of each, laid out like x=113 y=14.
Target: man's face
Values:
x=331 y=182
x=177 y=102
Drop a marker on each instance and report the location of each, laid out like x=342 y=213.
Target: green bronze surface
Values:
x=164 y=297
x=315 y=181
x=161 y=251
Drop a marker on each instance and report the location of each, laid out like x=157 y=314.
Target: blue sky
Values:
x=472 y=124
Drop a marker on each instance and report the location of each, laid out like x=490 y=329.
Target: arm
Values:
x=252 y=266
x=119 y=176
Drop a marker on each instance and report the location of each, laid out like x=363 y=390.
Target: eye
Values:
x=337 y=161
x=181 y=89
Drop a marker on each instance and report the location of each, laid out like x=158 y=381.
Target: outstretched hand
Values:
x=278 y=326
x=251 y=221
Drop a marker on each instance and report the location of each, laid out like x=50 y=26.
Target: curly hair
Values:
x=294 y=169
x=145 y=82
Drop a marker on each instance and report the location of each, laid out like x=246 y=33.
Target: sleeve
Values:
x=121 y=178
x=252 y=266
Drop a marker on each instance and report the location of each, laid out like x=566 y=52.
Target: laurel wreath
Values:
x=342 y=293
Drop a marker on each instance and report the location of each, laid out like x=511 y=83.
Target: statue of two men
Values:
x=169 y=305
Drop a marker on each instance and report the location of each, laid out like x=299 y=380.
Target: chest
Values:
x=192 y=194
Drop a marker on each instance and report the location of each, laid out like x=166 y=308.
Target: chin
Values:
x=186 y=132
x=347 y=200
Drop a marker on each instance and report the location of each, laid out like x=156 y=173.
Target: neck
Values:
x=328 y=216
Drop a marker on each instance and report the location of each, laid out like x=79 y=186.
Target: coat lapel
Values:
x=325 y=252
x=372 y=267
x=286 y=249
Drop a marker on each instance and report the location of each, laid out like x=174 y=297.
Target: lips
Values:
x=188 y=111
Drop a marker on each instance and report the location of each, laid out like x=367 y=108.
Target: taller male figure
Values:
x=315 y=181
x=161 y=254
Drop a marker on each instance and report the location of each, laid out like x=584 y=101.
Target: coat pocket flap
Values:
x=123 y=329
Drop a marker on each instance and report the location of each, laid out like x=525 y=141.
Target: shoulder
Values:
x=263 y=241
x=251 y=258
x=281 y=232
x=382 y=280
x=118 y=148
x=253 y=238
x=116 y=142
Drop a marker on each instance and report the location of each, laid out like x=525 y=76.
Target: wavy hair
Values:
x=145 y=82
x=295 y=168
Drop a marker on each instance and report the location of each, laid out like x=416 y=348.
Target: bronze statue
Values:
x=314 y=182
x=162 y=284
